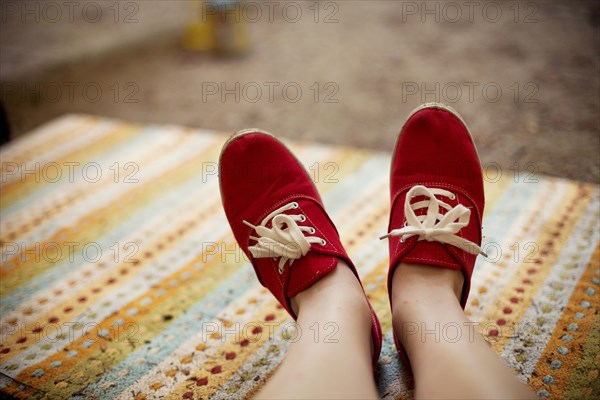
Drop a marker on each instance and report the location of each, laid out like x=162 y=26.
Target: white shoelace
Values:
x=285 y=239
x=434 y=226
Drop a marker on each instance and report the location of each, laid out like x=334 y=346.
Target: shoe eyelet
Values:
x=452 y=196
x=312 y=230
x=323 y=242
x=405 y=224
x=302 y=217
x=295 y=205
x=402 y=240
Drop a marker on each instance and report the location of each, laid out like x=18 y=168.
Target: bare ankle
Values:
x=339 y=288
x=423 y=285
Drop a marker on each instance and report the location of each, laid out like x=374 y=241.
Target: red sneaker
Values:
x=436 y=188
x=278 y=218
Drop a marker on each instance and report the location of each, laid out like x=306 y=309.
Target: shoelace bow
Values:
x=434 y=226
x=285 y=238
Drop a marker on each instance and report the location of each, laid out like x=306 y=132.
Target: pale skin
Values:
x=463 y=368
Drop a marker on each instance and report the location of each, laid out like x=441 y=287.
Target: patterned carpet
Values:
x=120 y=277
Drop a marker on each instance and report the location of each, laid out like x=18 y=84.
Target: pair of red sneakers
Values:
x=279 y=220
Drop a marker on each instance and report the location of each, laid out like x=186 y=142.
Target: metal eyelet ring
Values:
x=452 y=196
x=402 y=240
x=405 y=223
x=302 y=217
x=312 y=230
x=323 y=242
x=295 y=205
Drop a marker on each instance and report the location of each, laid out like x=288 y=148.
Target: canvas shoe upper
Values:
x=278 y=218
x=437 y=198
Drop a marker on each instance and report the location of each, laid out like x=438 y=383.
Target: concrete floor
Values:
x=526 y=81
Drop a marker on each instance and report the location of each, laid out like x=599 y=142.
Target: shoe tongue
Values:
x=431 y=253
x=309 y=269
x=320 y=260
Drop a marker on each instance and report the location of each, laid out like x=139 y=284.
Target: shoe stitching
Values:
x=281 y=202
x=433 y=183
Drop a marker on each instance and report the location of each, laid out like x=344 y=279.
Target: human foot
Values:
x=279 y=220
x=437 y=201
x=338 y=291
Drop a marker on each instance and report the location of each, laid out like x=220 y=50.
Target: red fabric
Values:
x=258 y=174
x=435 y=149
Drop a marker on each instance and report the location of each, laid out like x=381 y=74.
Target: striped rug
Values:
x=120 y=278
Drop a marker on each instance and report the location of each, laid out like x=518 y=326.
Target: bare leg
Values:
x=445 y=365
x=314 y=369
